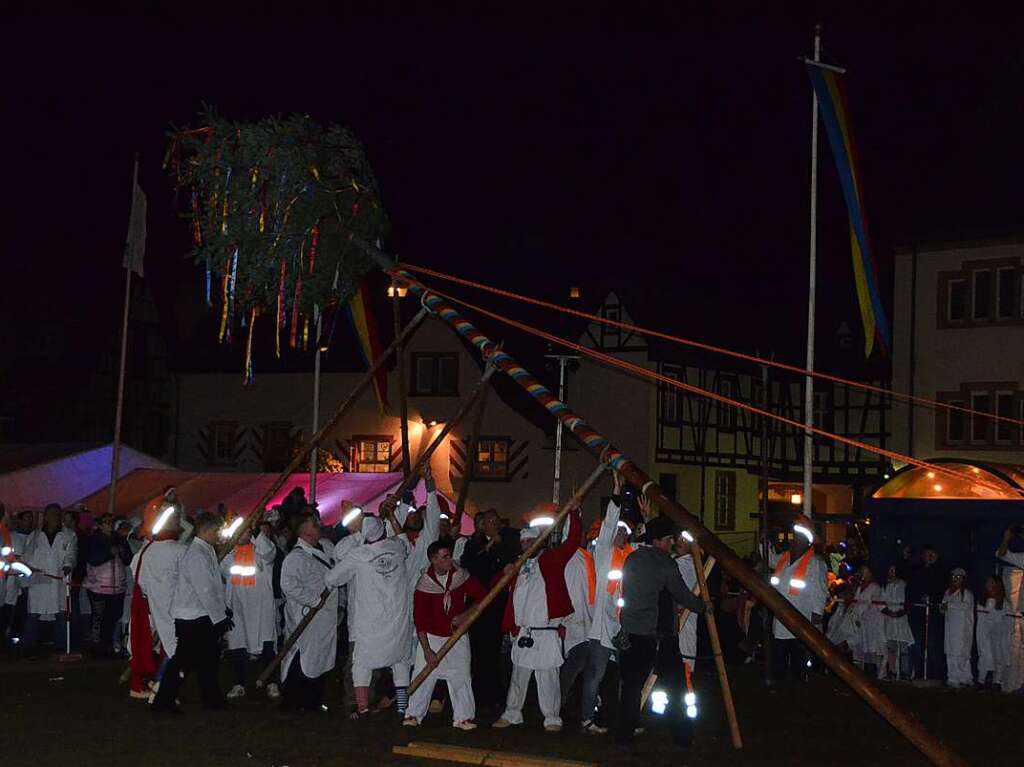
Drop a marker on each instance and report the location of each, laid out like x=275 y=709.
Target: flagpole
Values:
x=115 y=458
x=812 y=279
x=315 y=452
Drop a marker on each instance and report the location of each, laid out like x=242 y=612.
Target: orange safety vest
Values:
x=5 y=542
x=798 y=575
x=618 y=562
x=243 y=569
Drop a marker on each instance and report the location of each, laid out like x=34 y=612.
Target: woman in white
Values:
x=842 y=631
x=993 y=635
x=898 y=636
x=958 y=606
x=870 y=623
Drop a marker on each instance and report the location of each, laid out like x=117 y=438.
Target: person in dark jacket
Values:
x=107 y=557
x=651 y=583
x=928 y=583
x=491 y=548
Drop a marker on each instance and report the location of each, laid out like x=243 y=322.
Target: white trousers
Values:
x=549 y=694
x=455 y=670
x=958 y=669
x=361 y=675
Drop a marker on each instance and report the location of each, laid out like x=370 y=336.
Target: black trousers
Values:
x=301 y=693
x=672 y=681
x=198 y=649
x=6 y=614
x=485 y=642
x=110 y=607
x=789 y=660
x=635 y=665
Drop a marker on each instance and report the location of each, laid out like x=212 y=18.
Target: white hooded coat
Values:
x=303 y=579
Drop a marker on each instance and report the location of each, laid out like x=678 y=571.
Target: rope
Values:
x=644 y=372
x=923 y=401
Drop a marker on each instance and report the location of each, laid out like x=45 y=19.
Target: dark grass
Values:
x=86 y=719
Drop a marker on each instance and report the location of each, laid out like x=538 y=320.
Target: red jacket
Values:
x=552 y=566
x=434 y=607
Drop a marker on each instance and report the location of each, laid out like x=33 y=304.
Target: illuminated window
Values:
x=956 y=301
x=725 y=500
x=981 y=402
x=492 y=458
x=435 y=375
x=372 y=453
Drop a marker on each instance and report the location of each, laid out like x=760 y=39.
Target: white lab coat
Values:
x=303 y=579
x=867 y=610
x=530 y=604
x=688 y=631
x=46 y=596
x=1013 y=584
x=200 y=591
x=959 y=609
x=841 y=627
x=380 y=605
x=605 y=621
x=577 y=580
x=895 y=597
x=993 y=638
x=808 y=601
x=255 y=614
x=158 y=580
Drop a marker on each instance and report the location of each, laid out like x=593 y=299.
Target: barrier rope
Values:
x=911 y=398
x=542 y=393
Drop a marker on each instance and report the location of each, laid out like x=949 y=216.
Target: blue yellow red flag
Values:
x=364 y=324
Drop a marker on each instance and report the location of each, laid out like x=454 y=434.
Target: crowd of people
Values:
x=605 y=624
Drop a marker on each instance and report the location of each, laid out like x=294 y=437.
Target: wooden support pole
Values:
x=471 y=451
x=503 y=582
x=300 y=458
x=403 y=399
x=410 y=480
x=784 y=612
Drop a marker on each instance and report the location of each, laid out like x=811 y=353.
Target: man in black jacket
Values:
x=487 y=553
x=928 y=583
x=647 y=616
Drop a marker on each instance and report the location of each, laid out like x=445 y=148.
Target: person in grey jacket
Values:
x=651 y=582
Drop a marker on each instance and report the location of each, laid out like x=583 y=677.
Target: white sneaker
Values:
x=273 y=691
x=410 y=721
x=236 y=692
x=465 y=725
x=501 y=724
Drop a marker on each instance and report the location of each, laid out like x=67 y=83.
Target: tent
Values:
x=36 y=475
x=951 y=510
x=240 y=492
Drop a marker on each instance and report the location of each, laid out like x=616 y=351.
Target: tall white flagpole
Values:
x=812 y=279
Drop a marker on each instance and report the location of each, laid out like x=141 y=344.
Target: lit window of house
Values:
x=435 y=375
x=372 y=453
x=492 y=458
x=725 y=500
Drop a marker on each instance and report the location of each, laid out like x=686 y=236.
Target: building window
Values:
x=611 y=335
x=371 y=453
x=822 y=410
x=492 y=458
x=435 y=375
x=223 y=437
x=981 y=402
x=982 y=294
x=1006 y=284
x=669 y=398
x=277 y=446
x=726 y=412
x=955 y=423
x=956 y=301
x=725 y=500
x=1004 y=409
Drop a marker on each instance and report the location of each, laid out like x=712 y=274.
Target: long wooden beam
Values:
x=784 y=612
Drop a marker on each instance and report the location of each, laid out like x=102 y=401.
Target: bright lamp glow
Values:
x=797 y=583
x=21 y=568
x=444 y=517
x=690 y=699
x=775 y=580
x=691 y=712
x=243 y=569
x=624 y=526
x=162 y=520
x=659 y=701
x=5 y=551
x=228 y=531
x=615 y=575
x=796 y=499
x=804 y=532
x=687 y=537
x=351 y=517
x=542 y=522
x=620 y=603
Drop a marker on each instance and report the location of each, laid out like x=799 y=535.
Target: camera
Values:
x=525 y=642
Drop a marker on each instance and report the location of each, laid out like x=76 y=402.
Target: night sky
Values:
x=664 y=151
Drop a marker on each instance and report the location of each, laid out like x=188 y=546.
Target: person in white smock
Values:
x=898 y=636
x=303 y=579
x=958 y=608
x=870 y=622
x=51 y=551
x=688 y=628
x=993 y=635
x=1010 y=555
x=577 y=625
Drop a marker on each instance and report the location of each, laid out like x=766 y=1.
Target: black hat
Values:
x=660 y=527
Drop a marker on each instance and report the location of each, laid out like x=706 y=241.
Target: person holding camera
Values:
x=201 y=618
x=538 y=602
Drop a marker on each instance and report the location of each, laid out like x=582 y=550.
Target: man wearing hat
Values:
x=536 y=608
x=647 y=615
x=799 y=575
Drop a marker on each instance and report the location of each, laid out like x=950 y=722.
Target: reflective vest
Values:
x=243 y=569
x=6 y=550
x=798 y=580
x=619 y=557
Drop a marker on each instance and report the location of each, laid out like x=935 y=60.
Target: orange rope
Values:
x=924 y=401
x=641 y=371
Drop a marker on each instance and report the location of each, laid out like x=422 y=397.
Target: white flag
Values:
x=135 y=245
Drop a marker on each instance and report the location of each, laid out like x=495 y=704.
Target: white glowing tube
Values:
x=797 y=583
x=691 y=712
x=5 y=551
x=21 y=568
x=809 y=664
x=228 y=531
x=774 y=580
x=615 y=575
x=444 y=517
x=164 y=516
x=687 y=537
x=690 y=699
x=351 y=517
x=542 y=522
x=243 y=570
x=659 y=701
x=804 y=532
x=624 y=526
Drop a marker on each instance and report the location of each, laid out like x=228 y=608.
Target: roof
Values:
x=959 y=479
x=962 y=243
x=20 y=456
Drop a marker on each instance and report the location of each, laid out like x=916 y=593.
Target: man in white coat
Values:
x=248 y=572
x=380 y=607
x=51 y=552
x=201 y=618
x=577 y=626
x=799 y=575
x=303 y=580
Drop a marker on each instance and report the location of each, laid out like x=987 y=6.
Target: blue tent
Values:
x=962 y=508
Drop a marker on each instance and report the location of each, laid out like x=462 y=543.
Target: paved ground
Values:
x=77 y=716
